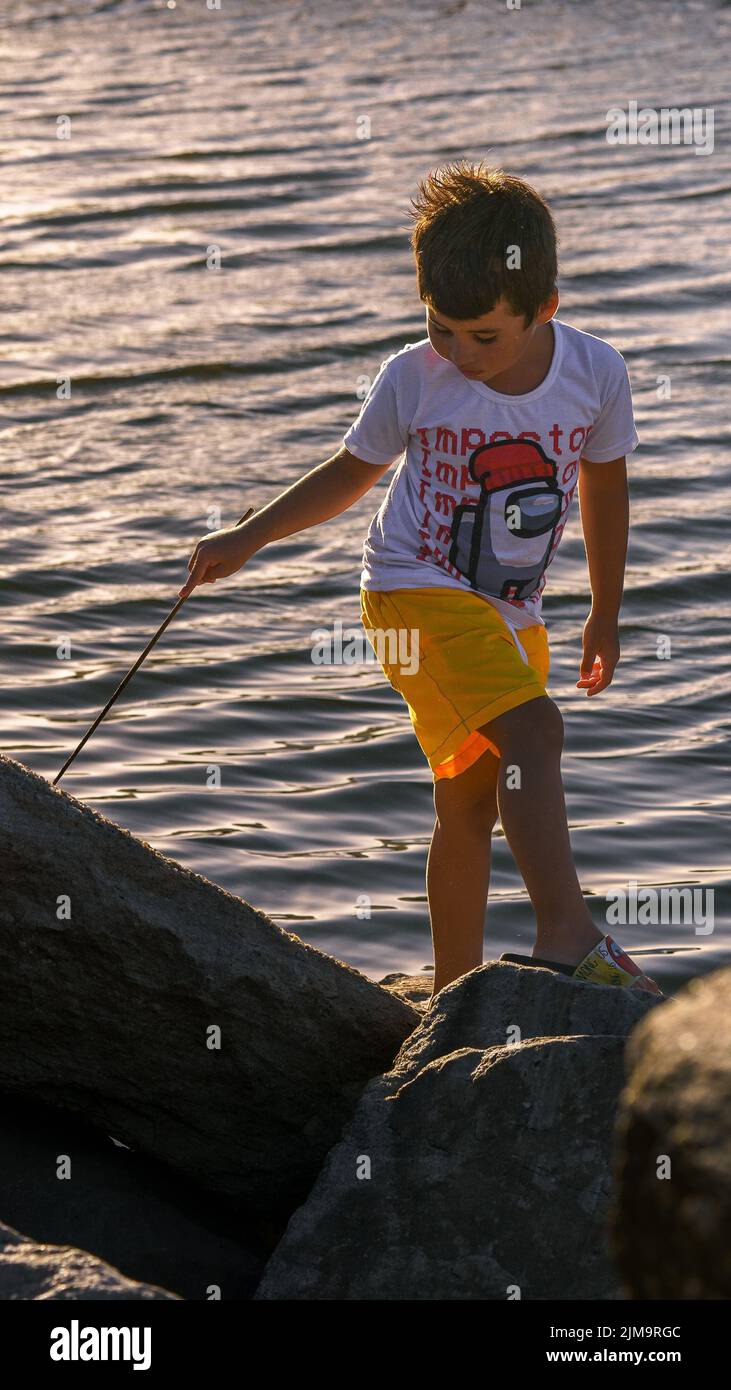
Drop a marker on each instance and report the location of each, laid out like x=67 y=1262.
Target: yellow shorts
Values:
x=461 y=668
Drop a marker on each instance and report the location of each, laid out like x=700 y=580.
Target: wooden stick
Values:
x=134 y=668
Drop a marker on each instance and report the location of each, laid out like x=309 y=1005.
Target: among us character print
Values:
x=501 y=543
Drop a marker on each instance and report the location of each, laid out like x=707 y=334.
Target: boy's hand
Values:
x=600 y=654
x=218 y=554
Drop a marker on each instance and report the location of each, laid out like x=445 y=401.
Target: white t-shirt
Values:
x=481 y=495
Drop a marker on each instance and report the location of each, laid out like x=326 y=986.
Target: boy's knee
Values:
x=538 y=722
x=474 y=817
x=468 y=802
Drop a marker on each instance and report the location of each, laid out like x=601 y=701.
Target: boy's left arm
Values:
x=604 y=506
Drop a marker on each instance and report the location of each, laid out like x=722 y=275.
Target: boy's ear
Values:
x=545 y=312
x=548 y=309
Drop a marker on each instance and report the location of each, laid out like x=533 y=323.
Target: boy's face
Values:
x=485 y=347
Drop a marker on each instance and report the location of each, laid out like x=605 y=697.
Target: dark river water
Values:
x=286 y=140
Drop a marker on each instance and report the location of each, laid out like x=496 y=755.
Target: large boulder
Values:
x=32 y=1271
x=479 y=1166
x=671 y=1221
x=170 y=1013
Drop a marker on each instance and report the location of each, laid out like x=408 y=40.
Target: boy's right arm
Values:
x=322 y=493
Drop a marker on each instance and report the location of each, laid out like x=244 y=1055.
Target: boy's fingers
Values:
x=196 y=576
x=590 y=676
x=599 y=679
x=199 y=572
x=588 y=670
x=600 y=685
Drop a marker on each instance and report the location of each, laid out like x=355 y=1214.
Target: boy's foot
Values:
x=604 y=964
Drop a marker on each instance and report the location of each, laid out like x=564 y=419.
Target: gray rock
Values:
x=106 y=1013
x=415 y=989
x=671 y=1221
x=31 y=1271
x=479 y=1166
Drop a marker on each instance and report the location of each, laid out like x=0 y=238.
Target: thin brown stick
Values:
x=132 y=670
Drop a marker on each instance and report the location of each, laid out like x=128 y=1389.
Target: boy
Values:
x=496 y=415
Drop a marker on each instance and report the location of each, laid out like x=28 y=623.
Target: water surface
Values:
x=195 y=389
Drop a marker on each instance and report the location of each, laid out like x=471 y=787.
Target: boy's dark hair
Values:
x=466 y=217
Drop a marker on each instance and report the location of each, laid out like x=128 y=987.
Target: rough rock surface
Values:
x=671 y=1220
x=110 y=1012
x=415 y=989
x=479 y=1166
x=32 y=1271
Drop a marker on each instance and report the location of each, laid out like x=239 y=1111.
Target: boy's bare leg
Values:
x=534 y=820
x=458 y=868
x=533 y=815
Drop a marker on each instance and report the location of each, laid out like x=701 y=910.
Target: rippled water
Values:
x=195 y=389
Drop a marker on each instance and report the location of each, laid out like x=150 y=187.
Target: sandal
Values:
x=605 y=964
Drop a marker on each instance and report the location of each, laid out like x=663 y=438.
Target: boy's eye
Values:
x=437 y=329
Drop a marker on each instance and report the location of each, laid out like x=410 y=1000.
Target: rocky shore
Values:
x=167 y=1049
